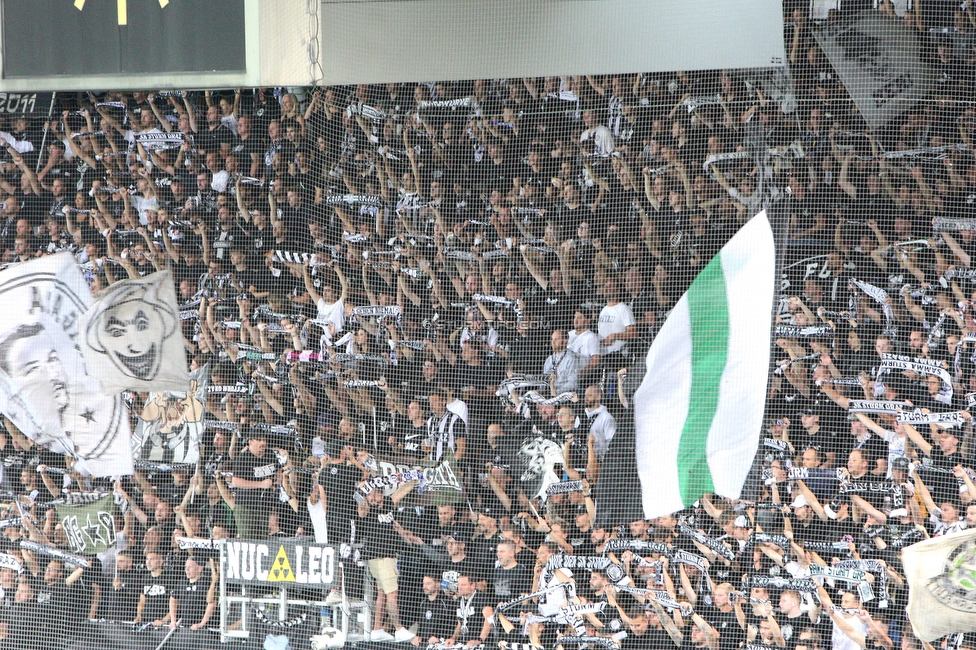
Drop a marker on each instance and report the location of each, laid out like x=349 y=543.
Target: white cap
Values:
x=799 y=502
x=742 y=522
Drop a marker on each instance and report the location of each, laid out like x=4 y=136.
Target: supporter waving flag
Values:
x=699 y=410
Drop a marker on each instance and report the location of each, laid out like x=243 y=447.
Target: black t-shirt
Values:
x=122 y=604
x=249 y=467
x=52 y=607
x=468 y=612
x=242 y=150
x=192 y=597
x=730 y=633
x=339 y=482
x=943 y=486
x=211 y=139
x=483 y=551
x=376 y=532
x=650 y=640
x=25 y=627
x=157 y=590
x=509 y=583
x=467 y=567
x=437 y=618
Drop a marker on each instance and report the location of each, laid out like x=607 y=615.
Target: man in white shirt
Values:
x=330 y=308
x=617 y=325
x=584 y=343
x=603 y=426
x=602 y=136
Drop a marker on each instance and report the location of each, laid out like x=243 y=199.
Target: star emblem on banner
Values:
x=89 y=415
x=123 y=8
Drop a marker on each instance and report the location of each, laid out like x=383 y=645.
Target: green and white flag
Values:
x=698 y=412
x=88 y=520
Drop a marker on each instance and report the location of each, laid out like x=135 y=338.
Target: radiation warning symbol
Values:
x=281 y=568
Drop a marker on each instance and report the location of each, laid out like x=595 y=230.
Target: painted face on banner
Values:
x=30 y=354
x=132 y=336
x=132 y=331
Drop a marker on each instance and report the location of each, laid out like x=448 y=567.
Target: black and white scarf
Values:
x=806 y=332
x=843 y=381
x=803 y=585
x=564 y=487
x=161 y=141
x=956 y=274
x=894 y=490
x=876 y=406
x=601 y=641
x=781 y=541
x=920 y=367
x=874 y=566
x=948 y=419
x=391 y=480
x=660 y=596
x=288 y=623
x=354 y=199
x=509 y=604
x=377 y=311
x=712 y=544
x=55 y=552
x=957 y=361
x=638 y=545
x=881 y=297
x=943 y=224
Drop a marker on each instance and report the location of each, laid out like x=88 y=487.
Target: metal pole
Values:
x=50 y=111
x=222 y=600
x=376 y=432
x=169 y=634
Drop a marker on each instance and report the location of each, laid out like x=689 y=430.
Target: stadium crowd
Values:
x=467 y=276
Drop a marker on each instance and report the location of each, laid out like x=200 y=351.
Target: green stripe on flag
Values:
x=708 y=308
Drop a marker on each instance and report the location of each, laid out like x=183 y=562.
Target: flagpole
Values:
x=50 y=111
x=777 y=212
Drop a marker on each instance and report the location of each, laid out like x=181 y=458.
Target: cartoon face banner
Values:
x=171 y=425
x=44 y=387
x=131 y=336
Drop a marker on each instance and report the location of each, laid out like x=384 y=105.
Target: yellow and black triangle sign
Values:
x=281 y=568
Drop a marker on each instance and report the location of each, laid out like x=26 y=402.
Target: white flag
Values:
x=133 y=339
x=941 y=576
x=698 y=412
x=44 y=388
x=879 y=60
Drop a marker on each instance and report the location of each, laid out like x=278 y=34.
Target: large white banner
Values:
x=879 y=61
x=133 y=339
x=941 y=576
x=45 y=389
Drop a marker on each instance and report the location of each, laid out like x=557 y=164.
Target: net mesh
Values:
x=417 y=319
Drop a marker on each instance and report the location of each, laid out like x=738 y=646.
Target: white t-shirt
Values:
x=602 y=139
x=316 y=513
x=142 y=205
x=840 y=641
x=333 y=312
x=585 y=345
x=615 y=320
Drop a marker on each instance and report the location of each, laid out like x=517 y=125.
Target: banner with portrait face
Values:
x=132 y=339
x=45 y=389
x=171 y=423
